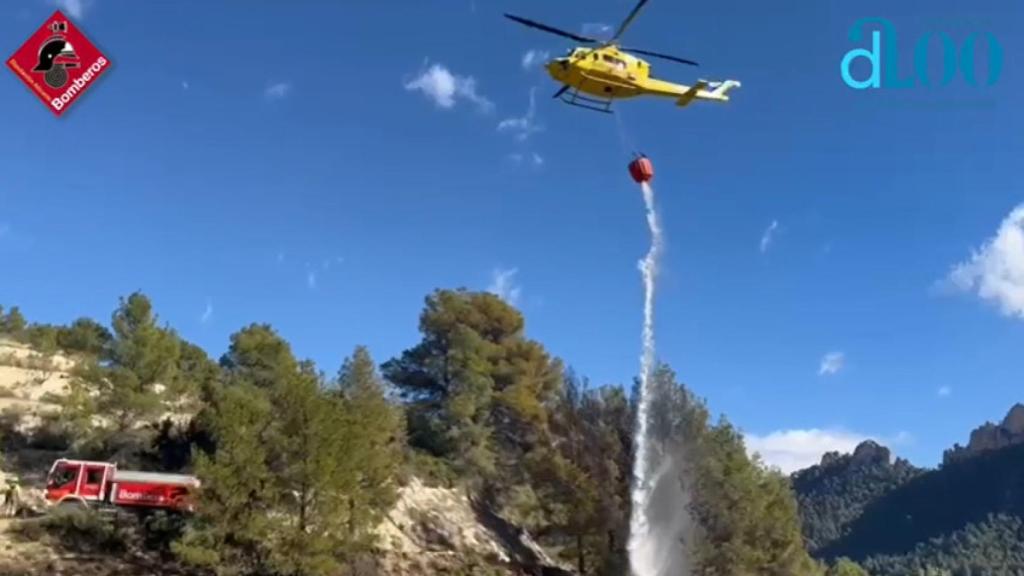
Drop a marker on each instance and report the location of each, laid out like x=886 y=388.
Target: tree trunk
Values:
x=581 y=562
x=302 y=513
x=351 y=517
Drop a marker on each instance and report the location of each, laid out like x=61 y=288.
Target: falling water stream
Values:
x=658 y=520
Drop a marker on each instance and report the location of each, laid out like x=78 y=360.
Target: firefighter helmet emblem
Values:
x=55 y=56
x=58 y=63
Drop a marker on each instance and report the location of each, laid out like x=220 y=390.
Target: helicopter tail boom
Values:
x=719 y=91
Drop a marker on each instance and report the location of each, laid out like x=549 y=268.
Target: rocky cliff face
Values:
x=433 y=530
x=991 y=436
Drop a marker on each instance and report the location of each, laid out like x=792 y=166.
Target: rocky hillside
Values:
x=31 y=382
x=430 y=530
x=433 y=530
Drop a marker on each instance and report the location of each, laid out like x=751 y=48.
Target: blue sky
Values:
x=322 y=166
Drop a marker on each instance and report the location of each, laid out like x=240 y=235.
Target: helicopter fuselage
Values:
x=604 y=72
x=607 y=73
x=598 y=72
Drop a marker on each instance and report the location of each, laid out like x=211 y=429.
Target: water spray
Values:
x=658 y=517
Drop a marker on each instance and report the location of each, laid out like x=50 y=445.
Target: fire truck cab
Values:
x=86 y=483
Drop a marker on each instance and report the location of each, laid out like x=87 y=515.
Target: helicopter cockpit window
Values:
x=620 y=64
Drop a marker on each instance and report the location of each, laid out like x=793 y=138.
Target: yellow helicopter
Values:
x=592 y=77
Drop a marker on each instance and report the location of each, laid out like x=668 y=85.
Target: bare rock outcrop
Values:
x=990 y=436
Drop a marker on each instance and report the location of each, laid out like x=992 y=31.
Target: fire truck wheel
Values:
x=72 y=506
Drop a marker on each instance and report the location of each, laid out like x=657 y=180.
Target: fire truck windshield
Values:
x=62 y=476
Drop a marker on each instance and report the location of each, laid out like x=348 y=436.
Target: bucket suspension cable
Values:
x=624 y=138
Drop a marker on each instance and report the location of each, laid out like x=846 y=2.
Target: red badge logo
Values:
x=58 y=63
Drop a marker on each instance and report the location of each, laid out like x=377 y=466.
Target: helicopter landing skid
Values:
x=574 y=98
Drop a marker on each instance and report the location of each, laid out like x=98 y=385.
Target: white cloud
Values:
x=207 y=313
x=311 y=279
x=524 y=126
x=831 y=363
x=444 y=88
x=503 y=285
x=944 y=391
x=996 y=271
x=73 y=8
x=277 y=91
x=534 y=57
x=519 y=159
x=792 y=450
x=766 y=238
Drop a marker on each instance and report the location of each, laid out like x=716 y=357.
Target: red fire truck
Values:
x=83 y=483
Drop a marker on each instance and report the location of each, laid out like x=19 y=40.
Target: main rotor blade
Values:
x=551 y=29
x=657 y=55
x=628 y=21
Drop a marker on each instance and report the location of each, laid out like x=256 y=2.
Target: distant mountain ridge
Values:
x=964 y=518
x=835 y=493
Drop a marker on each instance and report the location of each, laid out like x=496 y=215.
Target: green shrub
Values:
x=160 y=530
x=42 y=337
x=84 y=336
x=52 y=398
x=79 y=530
x=431 y=470
x=10 y=425
x=51 y=434
x=32 y=530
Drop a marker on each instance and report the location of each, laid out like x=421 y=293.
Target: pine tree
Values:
x=608 y=439
x=316 y=459
x=299 y=472
x=477 y=388
x=129 y=386
x=84 y=336
x=380 y=441
x=238 y=493
x=198 y=375
x=13 y=323
x=259 y=356
x=195 y=392
x=565 y=476
x=747 y=514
